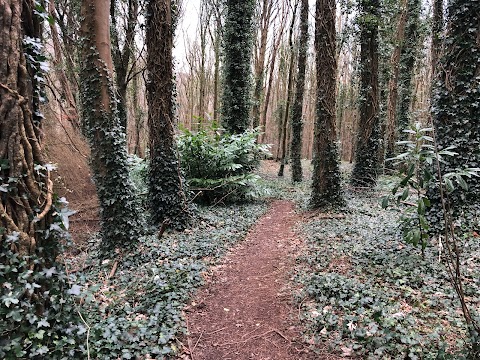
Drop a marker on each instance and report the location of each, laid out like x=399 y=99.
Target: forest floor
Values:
x=245 y=311
x=272 y=280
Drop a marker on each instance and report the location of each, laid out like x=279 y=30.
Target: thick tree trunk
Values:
x=237 y=37
x=103 y=128
x=366 y=166
x=26 y=202
x=297 y=108
x=167 y=198
x=326 y=190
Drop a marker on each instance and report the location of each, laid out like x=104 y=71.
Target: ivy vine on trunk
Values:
x=120 y=222
x=237 y=48
x=168 y=202
x=366 y=166
x=297 y=108
x=326 y=188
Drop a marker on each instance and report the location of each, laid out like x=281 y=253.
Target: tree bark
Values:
x=167 y=198
x=103 y=128
x=297 y=108
x=366 y=166
x=326 y=189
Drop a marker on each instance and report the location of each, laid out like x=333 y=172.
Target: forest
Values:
x=240 y=179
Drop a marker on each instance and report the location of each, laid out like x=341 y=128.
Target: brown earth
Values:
x=66 y=147
x=245 y=311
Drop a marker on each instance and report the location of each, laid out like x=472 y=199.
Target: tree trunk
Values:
x=407 y=66
x=366 y=166
x=122 y=57
x=291 y=67
x=437 y=29
x=264 y=23
x=297 y=108
x=103 y=128
x=238 y=34
x=393 y=84
x=167 y=198
x=26 y=202
x=326 y=189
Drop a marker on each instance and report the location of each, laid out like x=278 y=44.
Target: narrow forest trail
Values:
x=244 y=312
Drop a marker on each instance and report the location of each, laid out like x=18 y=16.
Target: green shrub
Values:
x=218 y=167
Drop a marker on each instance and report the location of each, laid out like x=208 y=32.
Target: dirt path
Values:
x=242 y=313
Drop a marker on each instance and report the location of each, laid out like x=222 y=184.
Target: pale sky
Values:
x=187 y=28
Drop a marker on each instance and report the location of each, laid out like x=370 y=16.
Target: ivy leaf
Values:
x=74 y=290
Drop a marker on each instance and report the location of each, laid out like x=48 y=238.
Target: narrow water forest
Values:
x=240 y=179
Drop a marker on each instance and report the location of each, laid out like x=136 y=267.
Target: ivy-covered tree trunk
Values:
x=166 y=193
x=237 y=48
x=120 y=223
x=437 y=29
x=456 y=107
x=35 y=309
x=297 y=108
x=326 y=189
x=366 y=165
x=407 y=66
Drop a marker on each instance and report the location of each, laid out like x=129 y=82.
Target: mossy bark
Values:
x=326 y=188
x=366 y=166
x=237 y=49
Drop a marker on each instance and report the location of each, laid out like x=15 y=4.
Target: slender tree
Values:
x=326 y=189
x=237 y=48
x=122 y=56
x=297 y=108
x=104 y=130
x=167 y=198
x=263 y=21
x=408 y=57
x=366 y=166
x=286 y=115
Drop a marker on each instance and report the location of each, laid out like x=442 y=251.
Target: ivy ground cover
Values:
x=368 y=294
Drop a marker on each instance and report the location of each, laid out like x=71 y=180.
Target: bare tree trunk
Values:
x=122 y=57
x=58 y=61
x=264 y=23
x=291 y=68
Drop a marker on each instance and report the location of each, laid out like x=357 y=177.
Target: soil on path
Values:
x=245 y=312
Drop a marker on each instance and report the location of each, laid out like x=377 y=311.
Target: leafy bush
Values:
x=218 y=167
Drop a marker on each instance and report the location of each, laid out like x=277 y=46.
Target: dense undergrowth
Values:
x=366 y=292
